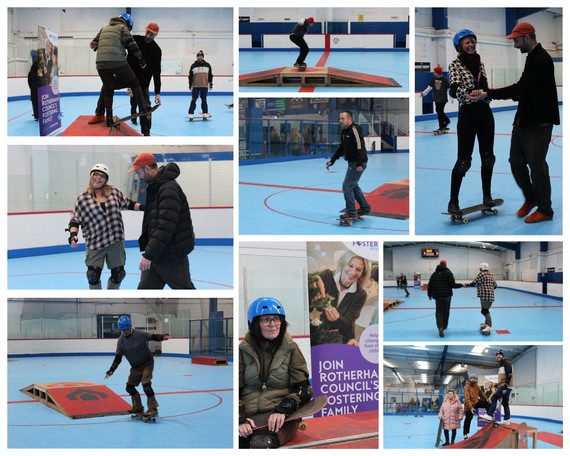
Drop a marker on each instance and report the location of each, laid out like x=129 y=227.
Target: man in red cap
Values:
x=167 y=232
x=440 y=287
x=440 y=85
x=297 y=36
x=537 y=112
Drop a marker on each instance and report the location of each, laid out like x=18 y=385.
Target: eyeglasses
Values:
x=268 y=320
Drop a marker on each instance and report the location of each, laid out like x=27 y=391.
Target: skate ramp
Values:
x=391 y=200
x=80 y=127
x=496 y=436
x=78 y=399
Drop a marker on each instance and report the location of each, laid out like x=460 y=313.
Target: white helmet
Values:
x=484 y=266
x=102 y=168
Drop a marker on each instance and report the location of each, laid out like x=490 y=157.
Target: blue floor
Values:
x=393 y=65
x=211 y=268
x=302 y=197
x=171 y=119
x=196 y=406
x=421 y=432
x=526 y=317
x=435 y=157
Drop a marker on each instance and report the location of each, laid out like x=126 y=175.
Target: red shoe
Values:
x=96 y=119
x=537 y=217
x=525 y=209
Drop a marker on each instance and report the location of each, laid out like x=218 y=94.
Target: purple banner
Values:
x=48 y=91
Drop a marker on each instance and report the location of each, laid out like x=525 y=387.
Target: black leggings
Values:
x=304 y=48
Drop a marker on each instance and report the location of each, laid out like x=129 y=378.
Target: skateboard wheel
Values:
x=495 y=211
x=464 y=220
x=302 y=426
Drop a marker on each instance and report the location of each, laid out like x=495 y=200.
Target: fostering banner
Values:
x=48 y=91
x=343 y=308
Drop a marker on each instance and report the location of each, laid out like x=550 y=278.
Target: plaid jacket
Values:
x=485 y=283
x=102 y=224
x=463 y=82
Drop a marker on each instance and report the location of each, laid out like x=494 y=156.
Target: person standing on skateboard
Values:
x=537 y=112
x=353 y=148
x=200 y=79
x=440 y=85
x=506 y=383
x=474 y=120
x=273 y=377
x=297 y=36
x=133 y=344
x=486 y=284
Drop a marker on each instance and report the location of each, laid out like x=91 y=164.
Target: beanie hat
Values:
x=438 y=69
x=200 y=53
x=311 y=19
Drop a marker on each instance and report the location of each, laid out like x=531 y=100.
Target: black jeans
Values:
x=469 y=416
x=442 y=308
x=304 y=48
x=442 y=118
x=529 y=147
x=175 y=273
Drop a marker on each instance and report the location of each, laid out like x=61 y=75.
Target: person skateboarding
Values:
x=200 y=79
x=440 y=85
x=486 y=284
x=273 y=377
x=506 y=383
x=353 y=148
x=133 y=345
x=297 y=36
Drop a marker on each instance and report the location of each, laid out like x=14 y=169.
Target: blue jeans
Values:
x=352 y=192
x=504 y=401
x=201 y=92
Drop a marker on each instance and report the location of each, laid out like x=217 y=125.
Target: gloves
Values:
x=211 y=86
x=72 y=236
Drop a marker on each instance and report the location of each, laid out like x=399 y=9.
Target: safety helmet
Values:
x=102 y=168
x=264 y=306
x=124 y=323
x=128 y=19
x=463 y=33
x=500 y=352
x=484 y=266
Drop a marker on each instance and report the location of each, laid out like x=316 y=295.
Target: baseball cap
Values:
x=153 y=27
x=438 y=69
x=142 y=160
x=522 y=29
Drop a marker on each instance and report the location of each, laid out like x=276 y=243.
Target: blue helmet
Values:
x=124 y=323
x=264 y=306
x=460 y=35
x=128 y=19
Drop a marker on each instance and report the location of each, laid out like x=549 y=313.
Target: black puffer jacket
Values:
x=441 y=283
x=167 y=230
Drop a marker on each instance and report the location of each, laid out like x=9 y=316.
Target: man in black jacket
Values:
x=167 y=232
x=440 y=286
x=532 y=128
x=353 y=149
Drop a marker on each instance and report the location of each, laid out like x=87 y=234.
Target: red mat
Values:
x=80 y=127
x=78 y=399
x=491 y=436
x=391 y=200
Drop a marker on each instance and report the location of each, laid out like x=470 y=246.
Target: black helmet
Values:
x=500 y=352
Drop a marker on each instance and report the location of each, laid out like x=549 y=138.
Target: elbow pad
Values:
x=287 y=406
x=304 y=391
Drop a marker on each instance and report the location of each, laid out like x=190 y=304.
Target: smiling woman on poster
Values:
x=346 y=287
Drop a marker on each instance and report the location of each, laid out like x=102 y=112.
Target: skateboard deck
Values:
x=459 y=216
x=145 y=418
x=309 y=409
x=523 y=436
x=440 y=132
x=439 y=431
x=200 y=117
x=350 y=221
x=300 y=67
x=120 y=120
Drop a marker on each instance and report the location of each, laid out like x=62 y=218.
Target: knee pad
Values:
x=147 y=388
x=462 y=166
x=131 y=390
x=93 y=275
x=260 y=441
x=488 y=160
x=485 y=312
x=118 y=274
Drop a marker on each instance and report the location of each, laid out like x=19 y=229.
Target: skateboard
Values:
x=144 y=417
x=119 y=121
x=300 y=67
x=440 y=132
x=309 y=409
x=459 y=216
x=350 y=221
x=522 y=436
x=439 y=431
x=200 y=117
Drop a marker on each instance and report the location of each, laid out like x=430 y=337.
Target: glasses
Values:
x=268 y=320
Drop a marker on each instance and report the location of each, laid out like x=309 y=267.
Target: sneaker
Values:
x=483 y=325
x=109 y=120
x=347 y=216
x=134 y=121
x=445 y=444
x=191 y=116
x=453 y=206
x=96 y=119
x=363 y=212
x=504 y=422
x=440 y=332
x=487 y=417
x=465 y=436
x=488 y=201
x=525 y=209
x=206 y=115
x=537 y=217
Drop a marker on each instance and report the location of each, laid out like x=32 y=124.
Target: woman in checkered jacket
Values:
x=475 y=118
x=486 y=284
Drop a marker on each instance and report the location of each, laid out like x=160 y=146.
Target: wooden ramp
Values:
x=390 y=303
x=78 y=399
x=391 y=200
x=209 y=360
x=315 y=76
x=80 y=127
x=493 y=435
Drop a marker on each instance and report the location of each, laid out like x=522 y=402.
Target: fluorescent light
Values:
x=447 y=380
x=478 y=349
x=424 y=378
